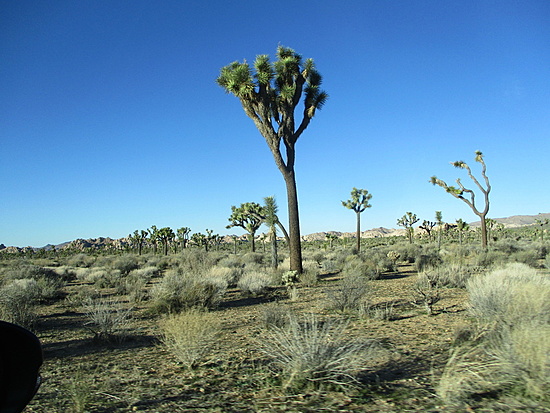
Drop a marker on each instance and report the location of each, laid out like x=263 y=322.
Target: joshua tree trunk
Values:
x=293 y=222
x=358 y=231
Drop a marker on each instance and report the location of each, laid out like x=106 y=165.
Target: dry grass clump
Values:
x=350 y=294
x=190 y=335
x=315 y=354
x=511 y=351
x=360 y=266
x=106 y=319
x=229 y=274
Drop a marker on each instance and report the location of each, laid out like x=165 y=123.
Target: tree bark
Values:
x=358 y=232
x=295 y=246
x=483 y=231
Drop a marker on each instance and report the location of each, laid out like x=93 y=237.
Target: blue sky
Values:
x=111 y=120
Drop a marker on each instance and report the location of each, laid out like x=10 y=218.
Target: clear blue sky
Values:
x=111 y=120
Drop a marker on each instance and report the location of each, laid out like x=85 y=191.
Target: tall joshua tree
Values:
x=247 y=216
x=469 y=199
x=269 y=95
x=359 y=202
x=407 y=221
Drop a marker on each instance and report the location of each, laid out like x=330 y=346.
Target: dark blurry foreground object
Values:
x=20 y=361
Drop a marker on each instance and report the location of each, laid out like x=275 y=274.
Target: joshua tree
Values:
x=139 y=238
x=270 y=210
x=461 y=226
x=270 y=96
x=460 y=192
x=439 y=220
x=165 y=236
x=542 y=223
x=331 y=238
x=182 y=235
x=407 y=221
x=249 y=217
x=154 y=237
x=200 y=239
x=359 y=202
x=428 y=227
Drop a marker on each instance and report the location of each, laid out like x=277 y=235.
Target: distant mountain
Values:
x=81 y=244
x=516 y=220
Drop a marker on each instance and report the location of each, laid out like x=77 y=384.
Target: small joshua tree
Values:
x=138 y=238
x=461 y=226
x=331 y=238
x=407 y=221
x=249 y=217
x=461 y=191
x=428 y=227
x=359 y=202
x=165 y=236
x=439 y=220
x=270 y=211
x=182 y=234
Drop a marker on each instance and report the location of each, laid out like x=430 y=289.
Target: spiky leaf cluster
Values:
x=359 y=200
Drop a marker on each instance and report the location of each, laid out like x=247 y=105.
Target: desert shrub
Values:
x=408 y=252
x=450 y=275
x=231 y=261
x=253 y=258
x=359 y=266
x=487 y=259
x=318 y=257
x=510 y=295
x=426 y=292
x=527 y=257
x=330 y=266
x=315 y=354
x=29 y=271
x=65 y=272
x=125 y=264
x=254 y=282
x=310 y=274
x=350 y=293
x=190 y=335
x=384 y=311
x=427 y=260
x=195 y=261
x=510 y=351
x=275 y=315
x=106 y=319
x=18 y=302
x=177 y=291
x=229 y=274
x=80 y=260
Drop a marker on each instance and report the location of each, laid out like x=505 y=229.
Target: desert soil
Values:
x=139 y=374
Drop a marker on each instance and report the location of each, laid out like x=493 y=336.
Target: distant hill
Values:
x=80 y=244
x=516 y=220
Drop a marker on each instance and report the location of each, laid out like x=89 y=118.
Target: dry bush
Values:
x=360 y=266
x=510 y=295
x=450 y=275
x=426 y=292
x=190 y=335
x=177 y=291
x=315 y=354
x=350 y=294
x=511 y=350
x=106 y=319
x=18 y=302
x=310 y=275
x=275 y=315
x=80 y=260
x=230 y=275
x=255 y=282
